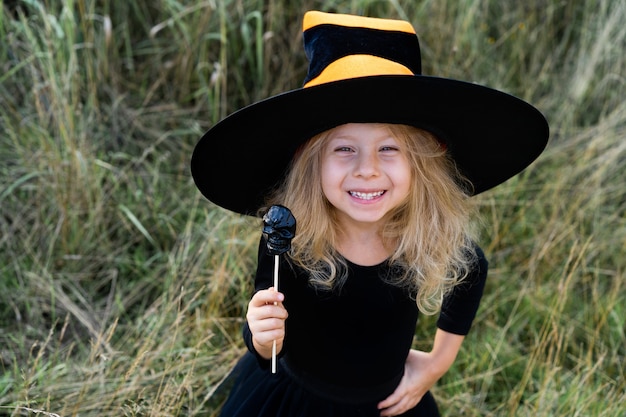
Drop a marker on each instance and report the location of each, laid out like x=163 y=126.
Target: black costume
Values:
x=344 y=351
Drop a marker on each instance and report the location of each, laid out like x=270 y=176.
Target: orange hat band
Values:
x=392 y=47
x=353 y=66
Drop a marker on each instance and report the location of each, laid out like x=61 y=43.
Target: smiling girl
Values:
x=378 y=164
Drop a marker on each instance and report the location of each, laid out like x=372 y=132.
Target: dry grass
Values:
x=122 y=291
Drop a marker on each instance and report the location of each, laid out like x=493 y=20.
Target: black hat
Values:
x=365 y=70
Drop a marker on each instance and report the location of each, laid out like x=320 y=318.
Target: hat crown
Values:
x=341 y=47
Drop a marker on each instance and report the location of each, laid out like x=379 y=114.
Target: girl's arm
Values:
x=422 y=370
x=445 y=348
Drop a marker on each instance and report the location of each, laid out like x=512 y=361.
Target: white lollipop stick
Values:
x=275 y=289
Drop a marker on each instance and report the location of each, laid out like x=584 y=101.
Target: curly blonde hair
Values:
x=431 y=232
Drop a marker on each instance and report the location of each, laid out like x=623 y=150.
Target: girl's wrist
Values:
x=260 y=350
x=432 y=364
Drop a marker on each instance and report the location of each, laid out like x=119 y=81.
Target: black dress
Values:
x=343 y=352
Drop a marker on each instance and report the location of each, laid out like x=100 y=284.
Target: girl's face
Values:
x=365 y=172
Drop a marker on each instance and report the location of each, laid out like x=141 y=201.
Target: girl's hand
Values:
x=266 y=319
x=419 y=377
x=421 y=371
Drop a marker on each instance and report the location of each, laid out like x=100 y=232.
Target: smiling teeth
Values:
x=366 y=196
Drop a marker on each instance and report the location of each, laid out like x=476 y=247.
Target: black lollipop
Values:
x=279 y=227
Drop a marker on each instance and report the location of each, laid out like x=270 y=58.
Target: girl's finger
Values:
x=268 y=296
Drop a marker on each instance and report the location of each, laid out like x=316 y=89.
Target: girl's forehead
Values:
x=361 y=131
x=359 y=127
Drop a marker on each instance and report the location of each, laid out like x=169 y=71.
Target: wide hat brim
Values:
x=491 y=135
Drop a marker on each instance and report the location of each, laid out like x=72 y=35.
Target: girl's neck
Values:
x=363 y=248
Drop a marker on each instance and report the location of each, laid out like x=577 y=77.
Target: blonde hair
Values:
x=431 y=231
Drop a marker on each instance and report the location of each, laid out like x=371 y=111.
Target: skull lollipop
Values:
x=279 y=227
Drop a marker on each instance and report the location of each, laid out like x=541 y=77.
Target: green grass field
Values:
x=122 y=290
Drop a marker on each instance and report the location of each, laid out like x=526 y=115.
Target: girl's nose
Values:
x=367 y=165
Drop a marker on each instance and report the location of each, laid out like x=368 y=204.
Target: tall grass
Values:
x=122 y=291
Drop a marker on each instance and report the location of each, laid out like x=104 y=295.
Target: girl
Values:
x=377 y=163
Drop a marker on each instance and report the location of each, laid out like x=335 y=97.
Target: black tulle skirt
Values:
x=257 y=392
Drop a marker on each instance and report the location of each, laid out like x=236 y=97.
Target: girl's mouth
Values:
x=366 y=196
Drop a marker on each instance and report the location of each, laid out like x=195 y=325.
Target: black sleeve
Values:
x=264 y=278
x=461 y=304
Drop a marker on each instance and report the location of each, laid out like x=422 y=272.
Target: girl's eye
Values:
x=343 y=149
x=389 y=148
